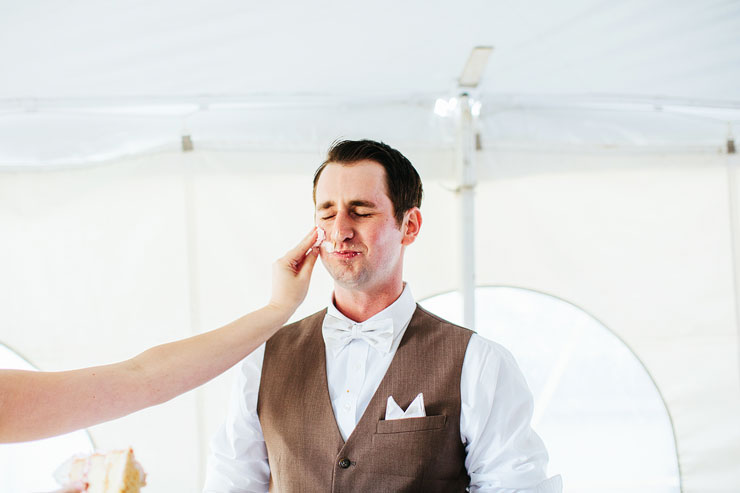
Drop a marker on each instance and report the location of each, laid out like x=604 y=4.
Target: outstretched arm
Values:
x=36 y=405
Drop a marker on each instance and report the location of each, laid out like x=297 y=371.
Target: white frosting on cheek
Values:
x=322 y=242
x=320 y=237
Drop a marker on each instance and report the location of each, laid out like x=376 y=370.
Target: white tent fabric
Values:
x=604 y=179
x=86 y=82
x=102 y=262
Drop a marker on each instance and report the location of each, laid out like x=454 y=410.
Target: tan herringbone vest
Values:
x=304 y=447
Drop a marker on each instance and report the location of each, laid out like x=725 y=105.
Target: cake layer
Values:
x=112 y=472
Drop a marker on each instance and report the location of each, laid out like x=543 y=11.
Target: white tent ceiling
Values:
x=132 y=77
x=82 y=48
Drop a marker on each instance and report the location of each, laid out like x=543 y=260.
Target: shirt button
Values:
x=344 y=463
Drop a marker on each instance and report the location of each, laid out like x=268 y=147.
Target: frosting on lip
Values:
x=329 y=246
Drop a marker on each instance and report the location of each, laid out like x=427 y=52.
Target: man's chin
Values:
x=348 y=280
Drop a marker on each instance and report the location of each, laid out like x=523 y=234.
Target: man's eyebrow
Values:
x=352 y=203
x=362 y=203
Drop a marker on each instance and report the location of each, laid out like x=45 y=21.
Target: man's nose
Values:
x=342 y=228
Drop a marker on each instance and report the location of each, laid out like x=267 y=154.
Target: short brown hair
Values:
x=401 y=178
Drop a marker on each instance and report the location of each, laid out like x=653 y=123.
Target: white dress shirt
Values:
x=503 y=453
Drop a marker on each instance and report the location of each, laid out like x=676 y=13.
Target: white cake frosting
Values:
x=323 y=243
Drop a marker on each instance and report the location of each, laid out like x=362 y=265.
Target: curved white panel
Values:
x=597 y=409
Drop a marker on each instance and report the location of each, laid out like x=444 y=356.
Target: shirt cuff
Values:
x=552 y=485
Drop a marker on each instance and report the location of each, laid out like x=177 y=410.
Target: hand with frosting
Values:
x=291 y=274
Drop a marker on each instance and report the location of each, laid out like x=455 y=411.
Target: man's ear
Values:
x=411 y=225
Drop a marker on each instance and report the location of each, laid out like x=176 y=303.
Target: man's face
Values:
x=353 y=207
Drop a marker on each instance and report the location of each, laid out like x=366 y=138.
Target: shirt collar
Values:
x=400 y=311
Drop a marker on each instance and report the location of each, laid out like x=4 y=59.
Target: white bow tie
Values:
x=338 y=333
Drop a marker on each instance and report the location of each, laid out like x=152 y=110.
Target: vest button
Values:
x=344 y=463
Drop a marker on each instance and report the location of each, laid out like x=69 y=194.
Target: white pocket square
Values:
x=415 y=409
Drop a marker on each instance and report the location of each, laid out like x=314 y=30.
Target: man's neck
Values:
x=360 y=305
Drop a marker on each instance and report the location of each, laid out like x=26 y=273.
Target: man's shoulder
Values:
x=426 y=316
x=478 y=344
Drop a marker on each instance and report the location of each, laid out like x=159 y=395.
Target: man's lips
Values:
x=345 y=253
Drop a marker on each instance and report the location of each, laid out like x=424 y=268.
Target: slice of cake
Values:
x=112 y=472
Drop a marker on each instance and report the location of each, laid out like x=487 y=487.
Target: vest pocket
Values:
x=406 y=425
x=407 y=447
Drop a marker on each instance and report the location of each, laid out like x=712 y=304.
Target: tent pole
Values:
x=733 y=162
x=465 y=192
x=191 y=242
